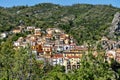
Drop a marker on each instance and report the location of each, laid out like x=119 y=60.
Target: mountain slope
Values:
x=85 y=22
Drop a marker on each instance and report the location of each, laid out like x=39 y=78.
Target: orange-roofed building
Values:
x=72 y=58
x=33 y=38
x=37 y=32
x=62 y=36
x=47 y=51
x=38 y=49
x=16 y=31
x=68 y=54
x=49 y=36
x=57 y=59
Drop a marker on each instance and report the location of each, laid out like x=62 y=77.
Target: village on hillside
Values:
x=58 y=48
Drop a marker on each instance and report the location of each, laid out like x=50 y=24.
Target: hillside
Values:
x=83 y=21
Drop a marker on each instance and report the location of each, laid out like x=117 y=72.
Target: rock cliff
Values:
x=115 y=26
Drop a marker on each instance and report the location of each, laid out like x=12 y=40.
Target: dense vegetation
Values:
x=79 y=20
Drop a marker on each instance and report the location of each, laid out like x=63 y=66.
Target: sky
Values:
x=11 y=3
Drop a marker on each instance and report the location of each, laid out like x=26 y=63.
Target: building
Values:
x=71 y=60
x=111 y=54
x=37 y=32
x=118 y=55
x=57 y=59
x=48 y=37
x=16 y=31
x=16 y=43
x=3 y=35
x=47 y=51
x=39 y=50
x=30 y=28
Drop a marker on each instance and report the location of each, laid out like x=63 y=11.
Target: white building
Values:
x=3 y=35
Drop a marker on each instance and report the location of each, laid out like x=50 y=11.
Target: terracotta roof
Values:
x=73 y=56
x=118 y=51
x=16 y=31
x=57 y=56
x=37 y=33
x=39 y=48
x=48 y=36
x=47 y=47
x=72 y=44
x=72 y=53
x=33 y=38
x=63 y=36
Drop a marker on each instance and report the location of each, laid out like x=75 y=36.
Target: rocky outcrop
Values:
x=115 y=26
x=109 y=44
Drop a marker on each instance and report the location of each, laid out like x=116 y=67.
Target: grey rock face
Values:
x=115 y=26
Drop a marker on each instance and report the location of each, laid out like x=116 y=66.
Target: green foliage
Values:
x=20 y=64
x=15 y=37
x=85 y=22
x=94 y=68
x=57 y=73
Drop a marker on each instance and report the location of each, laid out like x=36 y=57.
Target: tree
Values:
x=6 y=54
x=94 y=68
x=18 y=64
x=57 y=73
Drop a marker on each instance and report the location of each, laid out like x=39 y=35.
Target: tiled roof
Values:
x=57 y=56
x=73 y=57
x=118 y=51
x=72 y=53
x=48 y=36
